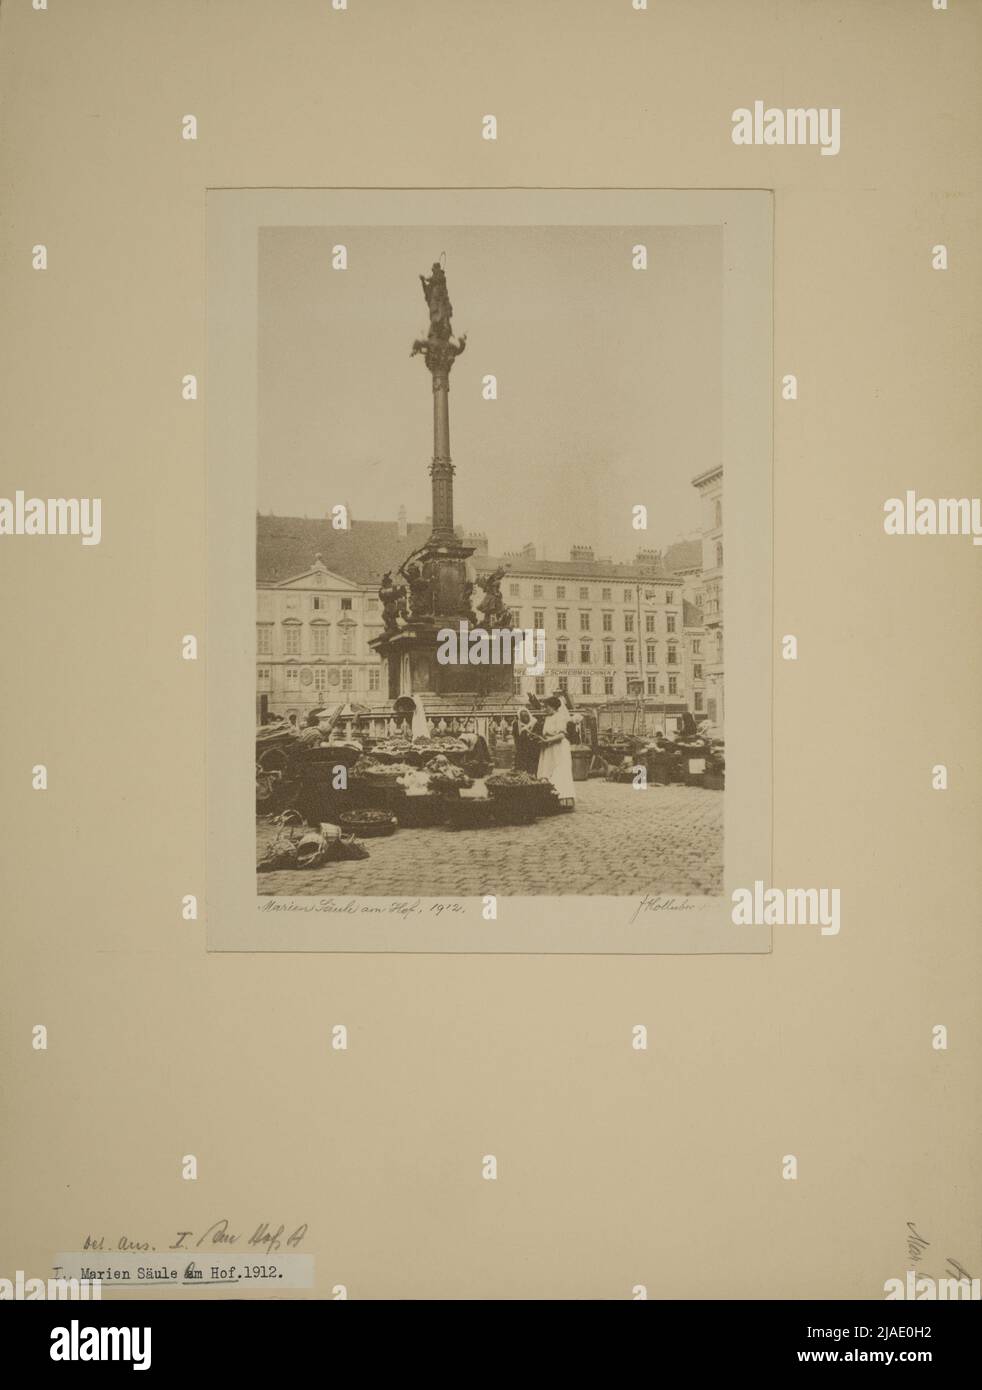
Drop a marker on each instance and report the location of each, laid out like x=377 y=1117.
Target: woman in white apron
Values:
x=420 y=727
x=556 y=759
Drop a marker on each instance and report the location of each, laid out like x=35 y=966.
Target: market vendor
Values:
x=555 y=757
x=526 y=732
x=421 y=727
x=479 y=760
x=313 y=734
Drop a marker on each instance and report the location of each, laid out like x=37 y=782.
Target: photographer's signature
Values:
x=662 y=902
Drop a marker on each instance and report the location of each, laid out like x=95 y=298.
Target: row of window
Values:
x=318 y=603
x=583 y=592
x=606 y=621
x=630 y=649
x=317 y=679
x=297 y=676
x=319 y=647
x=713 y=602
x=320 y=640
x=586 y=684
x=321 y=602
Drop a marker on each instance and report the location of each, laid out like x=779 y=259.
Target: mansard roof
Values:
x=286 y=548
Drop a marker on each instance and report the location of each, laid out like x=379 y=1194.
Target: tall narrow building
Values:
x=709 y=485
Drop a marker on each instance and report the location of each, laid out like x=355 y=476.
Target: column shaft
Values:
x=442 y=468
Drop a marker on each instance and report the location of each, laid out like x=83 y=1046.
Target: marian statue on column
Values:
x=438 y=301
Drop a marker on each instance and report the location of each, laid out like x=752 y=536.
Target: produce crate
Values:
x=470 y=814
x=512 y=810
x=418 y=812
x=695 y=771
x=659 y=768
x=520 y=805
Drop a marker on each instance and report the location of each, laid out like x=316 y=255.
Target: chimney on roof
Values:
x=528 y=551
x=647 y=557
x=581 y=552
x=402 y=524
x=477 y=540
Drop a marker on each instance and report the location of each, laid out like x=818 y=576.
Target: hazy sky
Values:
x=609 y=379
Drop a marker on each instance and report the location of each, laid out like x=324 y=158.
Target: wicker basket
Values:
x=354 y=823
x=382 y=755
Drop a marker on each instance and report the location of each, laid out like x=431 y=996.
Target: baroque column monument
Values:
x=433 y=591
x=440 y=350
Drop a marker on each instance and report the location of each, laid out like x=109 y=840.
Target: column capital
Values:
x=440 y=354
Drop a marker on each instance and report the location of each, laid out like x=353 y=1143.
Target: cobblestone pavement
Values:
x=618 y=841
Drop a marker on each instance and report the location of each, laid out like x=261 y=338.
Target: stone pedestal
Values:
x=409 y=650
x=412 y=668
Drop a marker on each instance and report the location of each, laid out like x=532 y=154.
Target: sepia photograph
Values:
x=502 y=661
x=477 y=609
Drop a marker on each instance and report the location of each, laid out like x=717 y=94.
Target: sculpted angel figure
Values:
x=393 y=601
x=420 y=590
x=492 y=608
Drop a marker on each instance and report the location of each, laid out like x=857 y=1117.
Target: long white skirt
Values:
x=556 y=764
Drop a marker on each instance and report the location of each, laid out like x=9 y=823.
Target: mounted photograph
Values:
x=489 y=677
